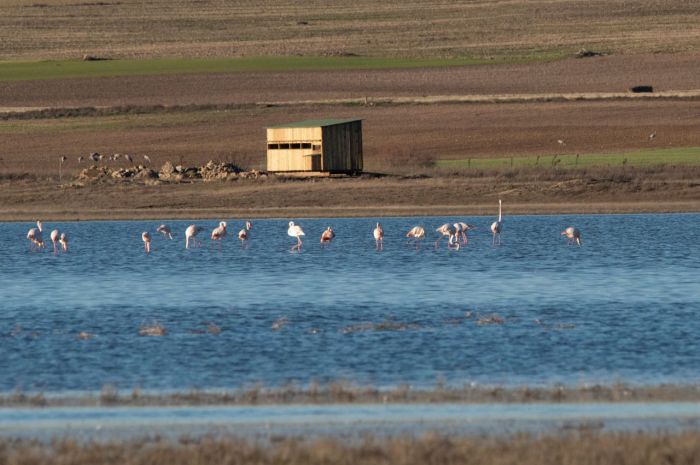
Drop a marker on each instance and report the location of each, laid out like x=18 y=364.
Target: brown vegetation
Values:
x=574 y=448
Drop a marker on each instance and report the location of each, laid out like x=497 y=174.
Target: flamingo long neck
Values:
x=500 y=216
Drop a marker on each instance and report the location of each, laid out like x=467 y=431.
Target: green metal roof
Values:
x=313 y=123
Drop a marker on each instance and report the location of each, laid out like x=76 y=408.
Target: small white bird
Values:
x=327 y=235
x=165 y=231
x=80 y=159
x=561 y=142
x=378 y=234
x=147 y=159
x=191 y=233
x=295 y=231
x=35 y=237
x=128 y=158
x=96 y=157
x=146 y=238
x=243 y=233
x=572 y=235
x=652 y=136
x=497 y=226
x=63 y=159
x=55 y=236
x=64 y=241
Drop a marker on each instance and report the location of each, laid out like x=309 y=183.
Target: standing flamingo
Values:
x=417 y=234
x=461 y=229
x=35 y=237
x=191 y=233
x=146 y=238
x=572 y=235
x=64 y=242
x=165 y=231
x=55 y=235
x=219 y=233
x=295 y=230
x=446 y=230
x=378 y=236
x=243 y=233
x=327 y=235
x=497 y=226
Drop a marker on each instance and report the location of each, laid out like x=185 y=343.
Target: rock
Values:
x=146 y=173
x=167 y=168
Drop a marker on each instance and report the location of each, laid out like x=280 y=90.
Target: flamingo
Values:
x=572 y=235
x=497 y=226
x=165 y=231
x=378 y=236
x=446 y=230
x=191 y=233
x=461 y=231
x=417 y=233
x=64 y=242
x=34 y=236
x=55 y=235
x=243 y=233
x=327 y=235
x=146 y=238
x=295 y=230
x=219 y=233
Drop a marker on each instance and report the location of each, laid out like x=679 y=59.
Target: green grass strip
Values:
x=22 y=70
x=676 y=156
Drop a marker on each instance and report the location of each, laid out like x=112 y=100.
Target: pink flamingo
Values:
x=446 y=230
x=191 y=233
x=295 y=230
x=64 y=242
x=55 y=235
x=327 y=235
x=462 y=229
x=417 y=234
x=243 y=233
x=146 y=238
x=378 y=236
x=165 y=231
x=572 y=235
x=35 y=237
x=219 y=233
x=497 y=226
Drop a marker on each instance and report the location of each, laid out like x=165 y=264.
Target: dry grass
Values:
x=575 y=448
x=65 y=28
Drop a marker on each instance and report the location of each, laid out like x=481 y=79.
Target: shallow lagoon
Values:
x=621 y=308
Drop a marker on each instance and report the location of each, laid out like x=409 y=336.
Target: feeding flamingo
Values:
x=327 y=235
x=64 y=242
x=461 y=231
x=146 y=238
x=295 y=230
x=55 y=235
x=416 y=233
x=191 y=233
x=243 y=233
x=35 y=237
x=497 y=226
x=446 y=230
x=378 y=236
x=572 y=235
x=219 y=232
x=165 y=231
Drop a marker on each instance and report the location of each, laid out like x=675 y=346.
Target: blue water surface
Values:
x=623 y=307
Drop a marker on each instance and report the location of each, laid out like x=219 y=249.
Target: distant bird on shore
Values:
x=55 y=236
x=96 y=157
x=446 y=230
x=219 y=232
x=36 y=240
x=146 y=238
x=191 y=234
x=165 y=231
x=147 y=159
x=64 y=242
x=572 y=235
x=497 y=226
x=327 y=235
x=128 y=158
x=416 y=233
x=378 y=234
x=243 y=233
x=652 y=136
x=295 y=230
x=461 y=229
x=63 y=159
x=561 y=142
x=80 y=159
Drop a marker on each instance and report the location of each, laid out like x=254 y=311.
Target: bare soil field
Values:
x=41 y=29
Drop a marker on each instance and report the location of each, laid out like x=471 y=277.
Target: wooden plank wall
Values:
x=293 y=159
x=342 y=147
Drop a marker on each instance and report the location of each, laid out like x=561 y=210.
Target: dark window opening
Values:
x=306 y=145
x=284 y=146
x=272 y=146
x=296 y=146
x=317 y=147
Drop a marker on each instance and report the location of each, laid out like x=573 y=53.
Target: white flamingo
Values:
x=219 y=233
x=295 y=230
x=378 y=234
x=446 y=230
x=327 y=235
x=146 y=238
x=64 y=242
x=416 y=233
x=243 y=233
x=461 y=229
x=572 y=235
x=55 y=236
x=165 y=231
x=35 y=237
x=497 y=226
x=191 y=233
